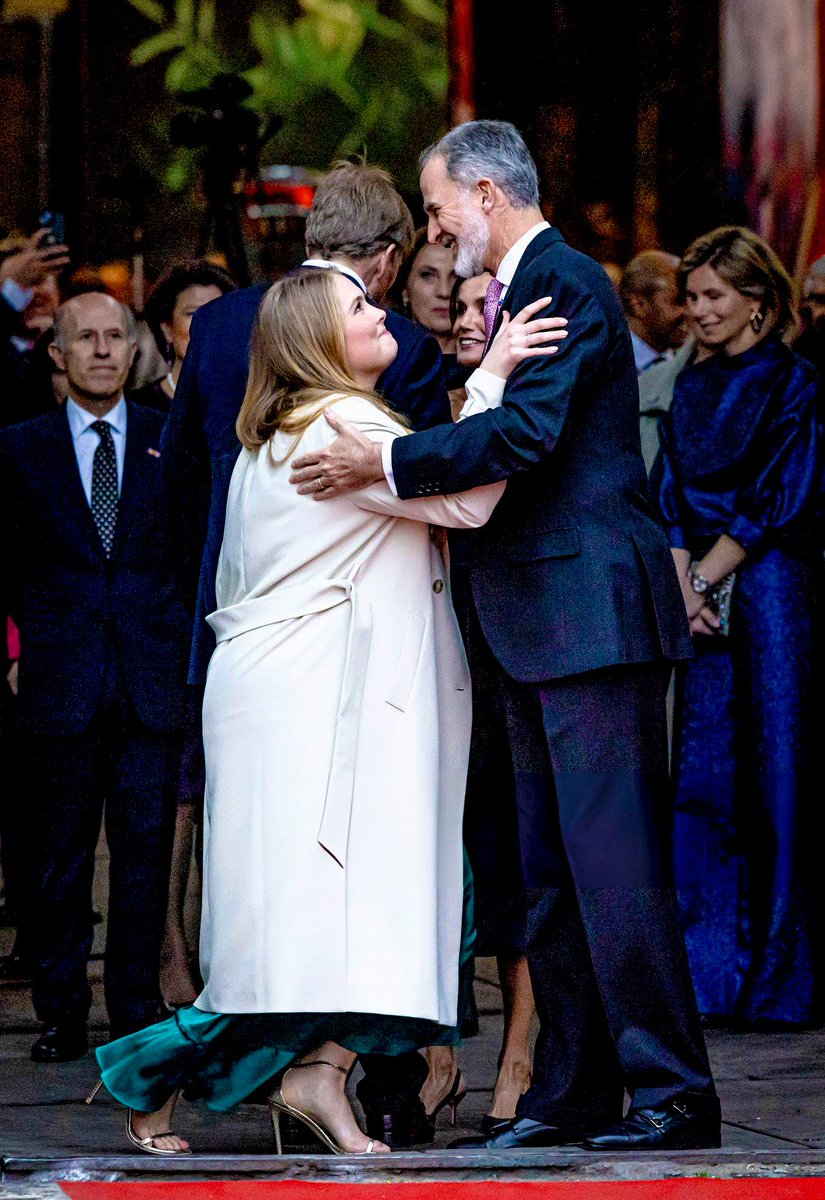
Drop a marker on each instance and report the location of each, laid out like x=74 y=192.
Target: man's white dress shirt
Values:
x=484 y=389
x=86 y=440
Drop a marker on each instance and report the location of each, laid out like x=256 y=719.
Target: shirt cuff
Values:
x=484 y=390
x=18 y=297
x=386 y=463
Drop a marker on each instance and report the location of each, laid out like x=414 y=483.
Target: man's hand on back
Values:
x=350 y=463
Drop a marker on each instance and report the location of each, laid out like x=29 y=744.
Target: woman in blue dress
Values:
x=737 y=483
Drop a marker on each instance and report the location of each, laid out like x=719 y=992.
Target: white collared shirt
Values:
x=509 y=264
x=86 y=440
x=484 y=390
x=329 y=265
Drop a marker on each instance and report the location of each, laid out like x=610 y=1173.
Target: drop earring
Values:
x=757 y=321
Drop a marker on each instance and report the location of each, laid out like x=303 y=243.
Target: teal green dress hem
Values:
x=223 y=1058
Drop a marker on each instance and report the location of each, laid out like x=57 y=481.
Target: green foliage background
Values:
x=345 y=75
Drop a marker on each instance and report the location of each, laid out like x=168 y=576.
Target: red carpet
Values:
x=667 y=1189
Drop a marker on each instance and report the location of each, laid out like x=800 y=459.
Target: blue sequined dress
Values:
x=741 y=455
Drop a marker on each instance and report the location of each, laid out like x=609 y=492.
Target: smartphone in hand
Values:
x=55 y=224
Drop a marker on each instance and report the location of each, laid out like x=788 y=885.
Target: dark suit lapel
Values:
x=69 y=481
x=139 y=472
x=539 y=243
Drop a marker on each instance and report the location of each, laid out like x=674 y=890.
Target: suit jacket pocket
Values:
x=545 y=543
x=409 y=658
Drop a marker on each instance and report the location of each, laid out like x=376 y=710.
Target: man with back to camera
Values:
x=578 y=599
x=91 y=577
x=358 y=224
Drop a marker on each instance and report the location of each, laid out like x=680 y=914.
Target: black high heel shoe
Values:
x=278 y=1107
x=457 y=1092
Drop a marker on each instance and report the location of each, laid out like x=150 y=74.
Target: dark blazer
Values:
x=573 y=571
x=200 y=446
x=75 y=608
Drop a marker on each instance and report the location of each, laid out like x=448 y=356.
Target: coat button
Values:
x=438 y=586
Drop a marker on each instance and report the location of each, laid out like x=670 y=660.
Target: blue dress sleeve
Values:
x=666 y=490
x=782 y=498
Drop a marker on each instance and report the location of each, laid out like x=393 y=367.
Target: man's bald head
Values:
x=72 y=310
x=649 y=289
x=94 y=343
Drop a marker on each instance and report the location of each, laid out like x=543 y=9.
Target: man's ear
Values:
x=135 y=349
x=387 y=262
x=56 y=355
x=488 y=192
x=637 y=303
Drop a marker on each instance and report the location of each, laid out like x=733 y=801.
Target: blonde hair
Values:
x=750 y=266
x=298 y=359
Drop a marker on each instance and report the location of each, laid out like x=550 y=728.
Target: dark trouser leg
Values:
x=576 y=1074
x=18 y=832
x=67 y=801
x=606 y=737
x=140 y=821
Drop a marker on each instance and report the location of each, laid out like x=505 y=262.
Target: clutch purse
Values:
x=717 y=599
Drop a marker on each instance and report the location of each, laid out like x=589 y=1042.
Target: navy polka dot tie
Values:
x=104 y=486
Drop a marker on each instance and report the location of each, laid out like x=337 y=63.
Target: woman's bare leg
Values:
x=320 y=1093
x=443 y=1065
x=176 y=983
x=515 y=1063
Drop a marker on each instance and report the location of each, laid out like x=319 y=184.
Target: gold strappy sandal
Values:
x=278 y=1107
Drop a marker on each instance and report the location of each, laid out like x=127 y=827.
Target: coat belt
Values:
x=300 y=600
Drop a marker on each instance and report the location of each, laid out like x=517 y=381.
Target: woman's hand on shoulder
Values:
x=524 y=336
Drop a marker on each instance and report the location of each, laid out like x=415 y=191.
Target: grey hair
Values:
x=61 y=315
x=488 y=150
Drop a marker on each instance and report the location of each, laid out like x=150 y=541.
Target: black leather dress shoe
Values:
x=492 y=1124
x=61 y=1043
x=689 y=1123
x=401 y=1126
x=519 y=1134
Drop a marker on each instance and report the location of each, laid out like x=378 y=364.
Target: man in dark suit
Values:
x=91 y=577
x=358 y=224
x=577 y=598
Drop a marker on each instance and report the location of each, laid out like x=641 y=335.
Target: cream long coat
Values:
x=336 y=726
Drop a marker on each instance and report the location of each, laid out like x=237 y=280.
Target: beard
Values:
x=471 y=243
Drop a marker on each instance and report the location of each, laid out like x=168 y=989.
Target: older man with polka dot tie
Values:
x=93 y=580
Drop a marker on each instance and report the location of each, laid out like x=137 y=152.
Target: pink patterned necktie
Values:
x=494 y=289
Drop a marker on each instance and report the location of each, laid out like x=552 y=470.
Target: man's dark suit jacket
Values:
x=75 y=608
x=572 y=572
x=200 y=446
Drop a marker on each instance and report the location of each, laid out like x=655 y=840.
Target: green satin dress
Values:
x=223 y=1058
